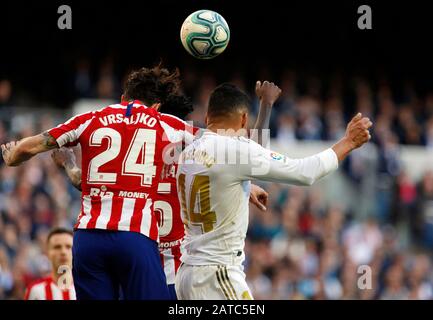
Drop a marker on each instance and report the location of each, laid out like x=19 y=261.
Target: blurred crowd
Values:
x=300 y=248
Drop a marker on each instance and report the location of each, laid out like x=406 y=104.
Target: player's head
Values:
x=228 y=105
x=59 y=247
x=158 y=86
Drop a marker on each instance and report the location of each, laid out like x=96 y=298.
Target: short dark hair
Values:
x=227 y=99
x=56 y=231
x=158 y=85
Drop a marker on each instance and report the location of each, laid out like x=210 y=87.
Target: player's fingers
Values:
x=367 y=134
x=264 y=199
x=365 y=124
x=257 y=203
x=3 y=147
x=356 y=118
x=258 y=85
x=365 y=120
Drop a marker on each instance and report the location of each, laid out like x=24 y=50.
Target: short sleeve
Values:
x=68 y=133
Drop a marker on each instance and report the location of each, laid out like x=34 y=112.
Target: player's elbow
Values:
x=306 y=180
x=310 y=181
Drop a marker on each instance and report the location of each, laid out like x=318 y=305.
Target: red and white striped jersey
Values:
x=171 y=227
x=122 y=159
x=170 y=259
x=167 y=203
x=47 y=289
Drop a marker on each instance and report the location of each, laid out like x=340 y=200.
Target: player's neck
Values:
x=55 y=276
x=225 y=128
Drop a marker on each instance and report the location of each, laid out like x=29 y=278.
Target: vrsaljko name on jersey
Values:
x=142 y=118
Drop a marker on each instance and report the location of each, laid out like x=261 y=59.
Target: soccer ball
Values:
x=205 y=34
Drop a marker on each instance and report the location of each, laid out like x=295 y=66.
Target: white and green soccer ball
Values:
x=205 y=34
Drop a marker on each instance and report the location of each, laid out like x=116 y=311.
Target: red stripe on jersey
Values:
x=80 y=216
x=137 y=216
x=95 y=211
x=116 y=213
x=176 y=254
x=72 y=125
x=65 y=294
x=48 y=291
x=26 y=295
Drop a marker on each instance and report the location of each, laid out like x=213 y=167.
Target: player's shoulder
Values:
x=242 y=142
x=41 y=281
x=111 y=108
x=97 y=112
x=36 y=287
x=173 y=121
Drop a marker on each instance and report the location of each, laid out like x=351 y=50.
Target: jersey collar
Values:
x=125 y=103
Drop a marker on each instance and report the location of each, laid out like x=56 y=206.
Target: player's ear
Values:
x=244 y=121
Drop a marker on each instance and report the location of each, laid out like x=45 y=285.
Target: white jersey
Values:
x=214 y=188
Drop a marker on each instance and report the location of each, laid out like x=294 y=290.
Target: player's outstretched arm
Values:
x=268 y=93
x=64 y=158
x=16 y=152
x=267 y=165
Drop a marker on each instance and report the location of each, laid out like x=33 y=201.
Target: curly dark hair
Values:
x=158 y=85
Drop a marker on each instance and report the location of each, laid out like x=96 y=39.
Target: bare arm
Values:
x=268 y=93
x=64 y=158
x=16 y=152
x=356 y=135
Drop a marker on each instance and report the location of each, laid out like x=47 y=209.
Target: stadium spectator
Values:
x=59 y=284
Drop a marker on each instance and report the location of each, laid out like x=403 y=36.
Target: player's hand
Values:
x=357 y=131
x=267 y=92
x=63 y=156
x=258 y=197
x=7 y=150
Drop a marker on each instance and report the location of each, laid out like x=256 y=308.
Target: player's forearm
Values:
x=19 y=154
x=303 y=172
x=309 y=170
x=342 y=149
x=262 y=122
x=74 y=174
x=24 y=150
